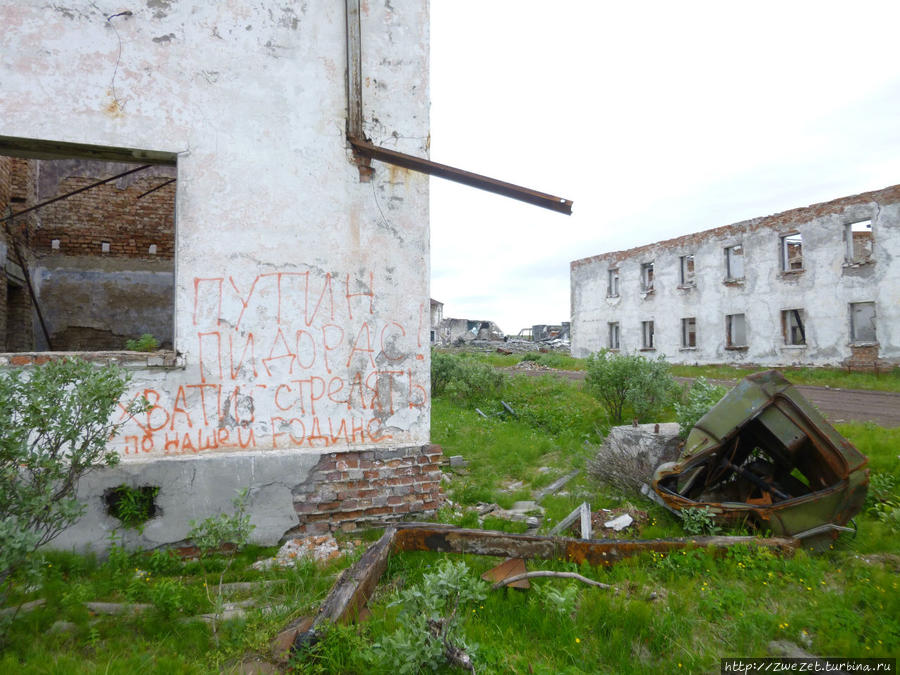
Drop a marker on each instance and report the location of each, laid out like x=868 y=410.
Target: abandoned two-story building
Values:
x=288 y=282
x=818 y=285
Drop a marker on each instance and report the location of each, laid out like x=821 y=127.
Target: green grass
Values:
x=835 y=378
x=843 y=602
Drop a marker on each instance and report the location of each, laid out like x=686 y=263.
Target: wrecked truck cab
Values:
x=766 y=457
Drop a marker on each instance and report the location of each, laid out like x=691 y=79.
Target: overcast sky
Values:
x=657 y=119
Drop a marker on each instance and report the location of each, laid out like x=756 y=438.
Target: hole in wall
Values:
x=132 y=506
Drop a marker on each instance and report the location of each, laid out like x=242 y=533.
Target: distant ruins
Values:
x=812 y=286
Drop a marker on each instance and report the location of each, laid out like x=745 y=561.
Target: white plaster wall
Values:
x=301 y=308
x=823 y=290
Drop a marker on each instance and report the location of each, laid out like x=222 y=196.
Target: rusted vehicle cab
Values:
x=765 y=456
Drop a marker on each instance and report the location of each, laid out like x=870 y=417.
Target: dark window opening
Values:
x=613 y=335
x=89 y=265
x=792 y=327
x=689 y=332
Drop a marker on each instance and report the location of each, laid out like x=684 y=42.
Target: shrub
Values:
x=430 y=634
x=55 y=421
x=464 y=380
x=700 y=399
x=697 y=520
x=617 y=380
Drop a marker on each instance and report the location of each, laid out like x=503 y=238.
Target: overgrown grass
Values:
x=843 y=602
x=819 y=377
x=837 y=378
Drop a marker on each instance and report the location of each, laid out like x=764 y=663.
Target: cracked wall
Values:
x=301 y=313
x=831 y=279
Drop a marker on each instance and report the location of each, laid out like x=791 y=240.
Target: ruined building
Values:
x=816 y=285
x=288 y=284
x=94 y=269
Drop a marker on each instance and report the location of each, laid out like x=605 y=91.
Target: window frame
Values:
x=849 y=250
x=785 y=247
x=648 y=277
x=793 y=316
x=686 y=324
x=612 y=282
x=648 y=336
x=730 y=343
x=856 y=339
x=685 y=281
x=729 y=256
x=613 y=331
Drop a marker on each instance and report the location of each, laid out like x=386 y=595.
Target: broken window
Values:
x=792 y=252
x=792 y=327
x=90 y=246
x=689 y=332
x=647 y=334
x=687 y=270
x=613 y=335
x=612 y=286
x=734 y=263
x=862 y=322
x=646 y=277
x=859 y=241
x=735 y=330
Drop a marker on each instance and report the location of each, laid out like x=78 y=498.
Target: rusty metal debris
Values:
x=351 y=591
x=765 y=456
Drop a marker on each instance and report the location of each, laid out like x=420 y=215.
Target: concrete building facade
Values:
x=300 y=313
x=818 y=285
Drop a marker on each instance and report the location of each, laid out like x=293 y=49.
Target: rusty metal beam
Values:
x=523 y=194
x=443 y=539
x=158 y=187
x=354 y=71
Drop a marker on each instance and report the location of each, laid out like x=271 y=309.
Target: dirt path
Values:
x=837 y=405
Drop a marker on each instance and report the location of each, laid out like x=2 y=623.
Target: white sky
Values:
x=657 y=119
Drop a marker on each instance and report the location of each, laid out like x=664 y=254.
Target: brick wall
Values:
x=110 y=214
x=865 y=358
x=348 y=487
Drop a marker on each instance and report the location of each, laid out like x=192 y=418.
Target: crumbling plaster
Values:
x=301 y=312
x=823 y=290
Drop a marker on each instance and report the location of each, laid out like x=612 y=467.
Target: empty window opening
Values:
x=613 y=342
x=792 y=252
x=862 y=322
x=647 y=277
x=689 y=332
x=612 y=286
x=687 y=270
x=132 y=506
x=859 y=241
x=792 y=327
x=647 y=335
x=734 y=263
x=95 y=244
x=735 y=330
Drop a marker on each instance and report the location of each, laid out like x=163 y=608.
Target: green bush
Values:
x=700 y=399
x=55 y=421
x=619 y=380
x=464 y=380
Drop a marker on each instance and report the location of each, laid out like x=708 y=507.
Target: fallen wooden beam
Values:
x=350 y=592
x=448 y=539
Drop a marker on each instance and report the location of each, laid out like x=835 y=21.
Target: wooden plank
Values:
x=350 y=592
x=570 y=519
x=555 y=486
x=508 y=568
